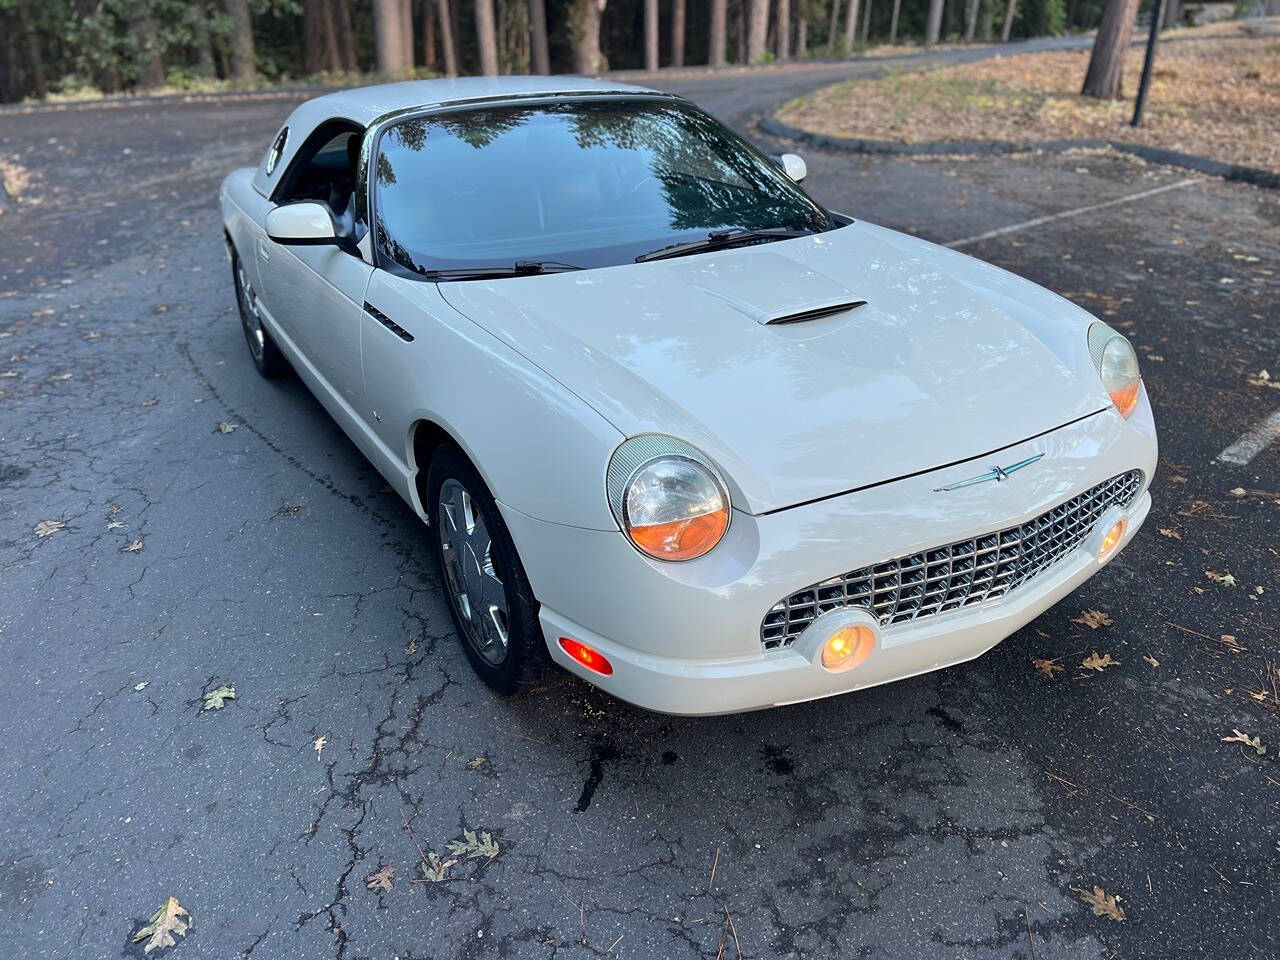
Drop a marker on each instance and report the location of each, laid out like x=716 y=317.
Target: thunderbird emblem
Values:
x=995 y=473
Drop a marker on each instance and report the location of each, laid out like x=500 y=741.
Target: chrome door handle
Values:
x=263 y=252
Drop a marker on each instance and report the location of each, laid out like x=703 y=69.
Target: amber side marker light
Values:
x=847 y=648
x=1112 y=539
x=596 y=662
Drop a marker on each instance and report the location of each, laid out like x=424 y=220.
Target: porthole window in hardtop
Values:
x=277 y=150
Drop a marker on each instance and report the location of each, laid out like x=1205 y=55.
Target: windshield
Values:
x=584 y=184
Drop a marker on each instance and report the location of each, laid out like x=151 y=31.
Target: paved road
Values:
x=954 y=815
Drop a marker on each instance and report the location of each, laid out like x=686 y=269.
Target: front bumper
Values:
x=685 y=638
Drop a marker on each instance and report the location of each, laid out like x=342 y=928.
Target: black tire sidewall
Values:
x=526 y=648
x=272 y=363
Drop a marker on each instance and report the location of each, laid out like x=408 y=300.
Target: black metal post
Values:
x=1148 y=64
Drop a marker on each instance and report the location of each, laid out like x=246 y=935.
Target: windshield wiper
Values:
x=721 y=239
x=521 y=268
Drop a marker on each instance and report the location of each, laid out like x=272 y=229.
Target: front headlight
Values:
x=1117 y=364
x=669 y=499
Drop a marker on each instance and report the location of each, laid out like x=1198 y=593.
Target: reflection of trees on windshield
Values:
x=703 y=177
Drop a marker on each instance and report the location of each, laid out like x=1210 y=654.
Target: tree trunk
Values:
x=742 y=30
x=584 y=29
x=406 y=34
x=388 y=24
x=971 y=20
x=987 y=19
x=833 y=26
x=486 y=38
x=429 y=35
x=150 y=61
x=651 y=35
x=802 y=29
x=1105 y=76
x=447 y=47
x=850 y=23
x=35 y=58
x=1008 y=20
x=538 y=37
x=893 y=23
x=717 y=40
x=1172 y=13
x=757 y=30
x=933 y=27
x=341 y=13
x=319 y=38
x=866 y=23
x=202 y=41
x=244 y=67
x=782 y=29
x=677 y=32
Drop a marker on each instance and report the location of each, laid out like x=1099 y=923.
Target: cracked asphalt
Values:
x=955 y=815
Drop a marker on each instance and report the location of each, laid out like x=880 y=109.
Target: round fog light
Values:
x=847 y=648
x=1112 y=539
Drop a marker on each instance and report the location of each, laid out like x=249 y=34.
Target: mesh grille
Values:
x=954 y=575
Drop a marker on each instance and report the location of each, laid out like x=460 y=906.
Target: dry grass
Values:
x=1216 y=93
x=13 y=177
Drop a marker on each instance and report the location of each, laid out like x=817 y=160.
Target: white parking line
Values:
x=1026 y=224
x=1253 y=442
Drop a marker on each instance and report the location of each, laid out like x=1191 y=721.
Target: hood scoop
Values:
x=815 y=312
x=767 y=286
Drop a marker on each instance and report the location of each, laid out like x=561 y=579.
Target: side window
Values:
x=324 y=169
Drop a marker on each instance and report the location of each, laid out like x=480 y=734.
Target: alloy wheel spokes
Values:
x=474 y=582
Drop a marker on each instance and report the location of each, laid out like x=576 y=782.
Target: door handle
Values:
x=263 y=252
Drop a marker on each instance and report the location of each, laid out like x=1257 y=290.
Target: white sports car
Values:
x=707 y=444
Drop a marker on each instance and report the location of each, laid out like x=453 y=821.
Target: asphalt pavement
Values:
x=147 y=557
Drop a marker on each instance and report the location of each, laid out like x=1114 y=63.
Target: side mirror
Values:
x=303 y=224
x=794 y=166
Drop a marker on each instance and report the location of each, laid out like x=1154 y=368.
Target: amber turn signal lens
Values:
x=847 y=648
x=682 y=539
x=1126 y=398
x=1112 y=539
x=592 y=660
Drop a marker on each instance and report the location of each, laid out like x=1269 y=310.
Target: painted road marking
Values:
x=1038 y=221
x=1254 y=442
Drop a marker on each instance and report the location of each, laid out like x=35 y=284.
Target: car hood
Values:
x=947 y=359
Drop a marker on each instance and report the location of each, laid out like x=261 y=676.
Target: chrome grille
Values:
x=954 y=575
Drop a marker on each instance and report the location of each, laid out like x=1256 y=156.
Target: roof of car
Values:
x=366 y=105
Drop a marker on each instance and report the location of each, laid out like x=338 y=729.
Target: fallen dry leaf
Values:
x=1095 y=662
x=1231 y=643
x=139 y=687
x=133 y=547
x=1170 y=533
x=165 y=922
x=1104 y=904
x=1093 y=619
x=114 y=524
x=47 y=528
x=434 y=869
x=381 y=881
x=216 y=699
x=226 y=427
x=1151 y=660
x=1240 y=737
x=1226 y=579
x=318 y=745
x=411 y=649
x=1237 y=492
x=476 y=763
x=1046 y=667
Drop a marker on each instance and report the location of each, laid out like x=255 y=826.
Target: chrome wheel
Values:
x=253 y=332
x=474 y=582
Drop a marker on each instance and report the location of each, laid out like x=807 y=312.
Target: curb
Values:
x=1258 y=177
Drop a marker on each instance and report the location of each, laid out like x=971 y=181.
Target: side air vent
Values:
x=387 y=322
x=816 y=313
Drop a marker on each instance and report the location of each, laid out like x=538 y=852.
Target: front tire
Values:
x=489 y=595
x=266 y=356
